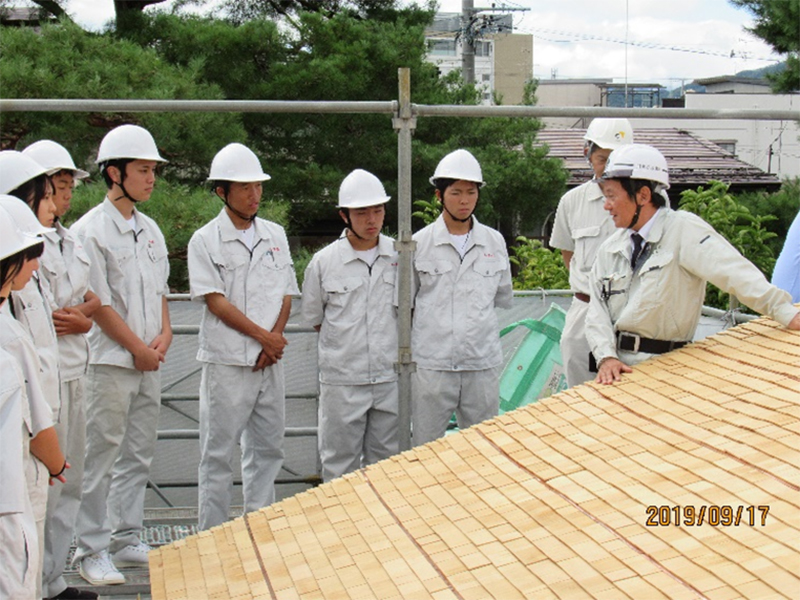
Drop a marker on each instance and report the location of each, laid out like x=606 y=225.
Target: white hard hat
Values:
x=12 y=240
x=638 y=161
x=236 y=162
x=22 y=215
x=16 y=169
x=459 y=165
x=361 y=189
x=128 y=141
x=53 y=157
x=609 y=134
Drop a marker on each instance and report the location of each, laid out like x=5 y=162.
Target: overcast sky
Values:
x=668 y=40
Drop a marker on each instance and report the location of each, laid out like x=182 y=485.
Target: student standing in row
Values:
x=17 y=525
x=580 y=227
x=241 y=269
x=649 y=278
x=348 y=297
x=128 y=272
x=461 y=273
x=64 y=266
x=44 y=460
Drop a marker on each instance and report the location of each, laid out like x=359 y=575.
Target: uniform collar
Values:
x=229 y=233
x=652 y=231
x=622 y=243
x=595 y=193
x=348 y=253
x=118 y=219
x=441 y=235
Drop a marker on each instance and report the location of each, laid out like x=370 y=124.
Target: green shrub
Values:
x=783 y=204
x=539 y=267
x=737 y=224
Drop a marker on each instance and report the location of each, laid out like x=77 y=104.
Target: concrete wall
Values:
x=513 y=65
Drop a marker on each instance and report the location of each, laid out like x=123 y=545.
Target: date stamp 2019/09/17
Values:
x=716 y=516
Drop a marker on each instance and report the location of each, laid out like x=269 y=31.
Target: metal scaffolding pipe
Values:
x=195 y=329
x=404 y=123
x=194 y=434
x=238 y=106
x=430 y=110
x=196 y=397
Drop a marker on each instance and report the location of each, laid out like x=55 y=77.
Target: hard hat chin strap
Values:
x=349 y=226
x=249 y=218
x=635 y=218
x=125 y=194
x=455 y=218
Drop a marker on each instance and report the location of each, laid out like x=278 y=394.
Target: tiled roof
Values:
x=552 y=500
x=692 y=160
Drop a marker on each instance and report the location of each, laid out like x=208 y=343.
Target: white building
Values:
x=772 y=146
x=503 y=59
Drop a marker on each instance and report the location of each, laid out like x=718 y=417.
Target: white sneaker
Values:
x=98 y=569
x=133 y=555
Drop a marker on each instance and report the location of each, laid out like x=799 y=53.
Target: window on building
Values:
x=486 y=77
x=728 y=145
x=483 y=48
x=442 y=47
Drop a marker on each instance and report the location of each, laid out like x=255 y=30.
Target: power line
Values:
x=538 y=31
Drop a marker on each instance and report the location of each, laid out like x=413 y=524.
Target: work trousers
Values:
x=574 y=347
x=357 y=426
x=64 y=500
x=474 y=396
x=18 y=556
x=38 y=480
x=238 y=405
x=122 y=407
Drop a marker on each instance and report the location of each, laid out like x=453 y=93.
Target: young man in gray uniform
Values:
x=648 y=282
x=129 y=270
x=348 y=294
x=581 y=226
x=241 y=269
x=65 y=267
x=461 y=273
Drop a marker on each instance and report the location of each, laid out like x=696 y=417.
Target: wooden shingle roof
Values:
x=692 y=160
x=552 y=500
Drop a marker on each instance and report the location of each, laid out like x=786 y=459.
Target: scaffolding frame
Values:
x=404 y=117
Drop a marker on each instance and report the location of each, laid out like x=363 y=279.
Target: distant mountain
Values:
x=701 y=89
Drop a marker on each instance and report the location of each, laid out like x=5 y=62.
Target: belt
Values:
x=582 y=297
x=633 y=342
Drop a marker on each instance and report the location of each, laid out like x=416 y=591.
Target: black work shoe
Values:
x=72 y=593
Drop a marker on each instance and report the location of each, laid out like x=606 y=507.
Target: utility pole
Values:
x=472 y=28
x=468 y=36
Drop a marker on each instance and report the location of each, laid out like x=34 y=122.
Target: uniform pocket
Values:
x=587 y=241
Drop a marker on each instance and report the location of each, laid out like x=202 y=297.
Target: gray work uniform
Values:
x=662 y=299
x=37 y=415
x=237 y=404
x=17 y=524
x=33 y=310
x=65 y=267
x=128 y=271
x=455 y=334
x=580 y=227
x=353 y=304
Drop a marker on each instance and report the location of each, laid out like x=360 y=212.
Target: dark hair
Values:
x=64 y=172
x=442 y=183
x=11 y=265
x=33 y=191
x=632 y=187
x=120 y=163
x=223 y=183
